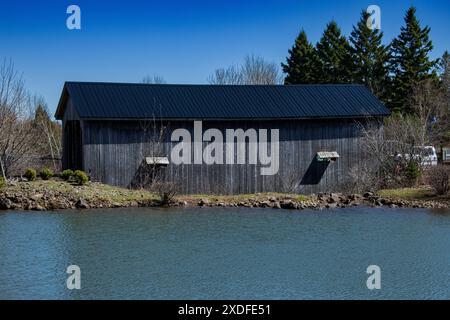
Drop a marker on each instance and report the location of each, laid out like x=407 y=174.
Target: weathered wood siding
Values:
x=71 y=139
x=113 y=152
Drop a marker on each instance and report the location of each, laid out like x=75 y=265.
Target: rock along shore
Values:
x=57 y=195
x=326 y=201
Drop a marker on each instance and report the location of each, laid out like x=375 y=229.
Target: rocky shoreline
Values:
x=59 y=195
x=39 y=202
x=328 y=201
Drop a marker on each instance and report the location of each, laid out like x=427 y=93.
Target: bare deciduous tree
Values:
x=230 y=75
x=439 y=179
x=254 y=70
x=390 y=154
x=389 y=151
x=151 y=174
x=166 y=190
x=154 y=135
x=155 y=79
x=16 y=141
x=428 y=100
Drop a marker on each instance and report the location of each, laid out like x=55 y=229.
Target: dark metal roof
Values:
x=132 y=101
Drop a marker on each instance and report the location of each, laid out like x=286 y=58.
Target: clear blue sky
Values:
x=184 y=41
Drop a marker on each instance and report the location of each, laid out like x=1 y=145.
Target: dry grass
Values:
x=242 y=197
x=90 y=191
x=96 y=191
x=407 y=193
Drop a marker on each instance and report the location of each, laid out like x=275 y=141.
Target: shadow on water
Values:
x=439 y=212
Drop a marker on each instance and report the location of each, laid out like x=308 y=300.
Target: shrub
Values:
x=80 y=177
x=439 y=179
x=362 y=178
x=165 y=190
x=66 y=174
x=2 y=182
x=46 y=174
x=30 y=174
x=412 y=173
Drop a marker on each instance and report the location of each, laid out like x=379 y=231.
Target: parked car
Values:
x=427 y=154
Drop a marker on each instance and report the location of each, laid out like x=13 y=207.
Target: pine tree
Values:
x=410 y=63
x=444 y=71
x=47 y=133
x=334 y=55
x=370 y=57
x=41 y=120
x=302 y=64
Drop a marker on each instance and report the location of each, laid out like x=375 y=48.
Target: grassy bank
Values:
x=409 y=194
x=57 y=194
x=242 y=197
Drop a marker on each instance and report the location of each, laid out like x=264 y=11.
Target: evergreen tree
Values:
x=410 y=62
x=334 y=55
x=370 y=57
x=302 y=64
x=41 y=121
x=47 y=133
x=444 y=71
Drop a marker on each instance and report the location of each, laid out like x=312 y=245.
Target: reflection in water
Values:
x=225 y=253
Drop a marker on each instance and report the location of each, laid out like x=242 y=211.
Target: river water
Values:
x=225 y=253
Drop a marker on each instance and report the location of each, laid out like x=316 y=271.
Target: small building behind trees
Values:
x=116 y=132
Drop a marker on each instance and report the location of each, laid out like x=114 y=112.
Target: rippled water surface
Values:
x=225 y=253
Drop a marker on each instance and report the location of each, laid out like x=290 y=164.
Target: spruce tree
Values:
x=334 y=55
x=41 y=121
x=444 y=71
x=301 y=65
x=370 y=57
x=410 y=62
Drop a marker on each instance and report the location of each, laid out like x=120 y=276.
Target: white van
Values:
x=428 y=154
